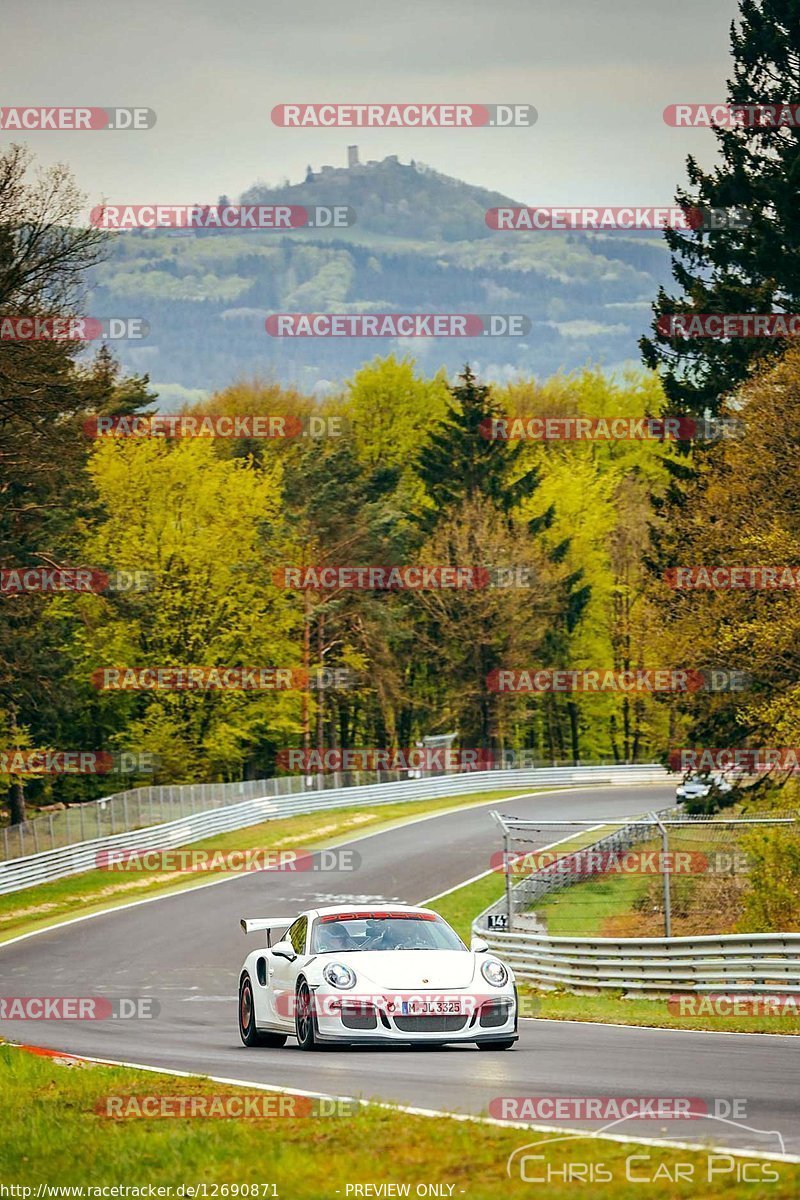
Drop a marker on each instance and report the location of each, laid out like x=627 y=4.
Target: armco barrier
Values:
x=728 y=963
x=23 y=872
x=140 y=807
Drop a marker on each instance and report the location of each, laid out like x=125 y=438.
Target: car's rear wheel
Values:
x=304 y=1018
x=505 y=1044
x=247 y=1020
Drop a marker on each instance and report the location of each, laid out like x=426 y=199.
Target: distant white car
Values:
x=366 y=975
x=697 y=787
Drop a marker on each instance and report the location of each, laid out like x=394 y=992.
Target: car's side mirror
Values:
x=478 y=945
x=284 y=950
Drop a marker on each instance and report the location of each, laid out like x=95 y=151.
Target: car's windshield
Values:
x=382 y=931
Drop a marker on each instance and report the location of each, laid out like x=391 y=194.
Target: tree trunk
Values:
x=16 y=802
x=572 y=709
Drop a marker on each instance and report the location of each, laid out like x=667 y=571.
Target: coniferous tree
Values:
x=755 y=269
x=460 y=462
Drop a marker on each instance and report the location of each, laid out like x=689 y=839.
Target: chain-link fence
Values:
x=664 y=874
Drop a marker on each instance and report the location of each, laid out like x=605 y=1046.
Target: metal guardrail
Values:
x=730 y=963
x=26 y=871
x=141 y=807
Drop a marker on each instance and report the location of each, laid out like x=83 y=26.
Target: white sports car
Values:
x=373 y=975
x=697 y=787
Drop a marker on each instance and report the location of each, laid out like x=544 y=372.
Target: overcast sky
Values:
x=599 y=72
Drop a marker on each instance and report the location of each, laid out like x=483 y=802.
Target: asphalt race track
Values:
x=186 y=950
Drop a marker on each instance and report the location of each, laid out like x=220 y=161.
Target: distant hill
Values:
x=411 y=202
x=419 y=243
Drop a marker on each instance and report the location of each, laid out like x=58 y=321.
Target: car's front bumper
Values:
x=492 y=1019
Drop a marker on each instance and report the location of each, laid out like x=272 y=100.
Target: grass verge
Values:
x=96 y=891
x=616 y=1010
x=50 y=1109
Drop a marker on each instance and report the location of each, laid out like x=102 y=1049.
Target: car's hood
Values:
x=401 y=970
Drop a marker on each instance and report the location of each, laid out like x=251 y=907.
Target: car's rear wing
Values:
x=270 y=925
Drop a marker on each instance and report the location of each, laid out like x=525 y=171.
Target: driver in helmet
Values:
x=336 y=937
x=379 y=936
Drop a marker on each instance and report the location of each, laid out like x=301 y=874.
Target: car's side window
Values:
x=297 y=935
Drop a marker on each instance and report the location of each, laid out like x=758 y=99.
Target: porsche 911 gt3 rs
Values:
x=395 y=974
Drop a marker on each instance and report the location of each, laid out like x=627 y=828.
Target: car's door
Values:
x=282 y=974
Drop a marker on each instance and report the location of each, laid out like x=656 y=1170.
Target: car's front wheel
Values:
x=304 y=1018
x=505 y=1044
x=247 y=1020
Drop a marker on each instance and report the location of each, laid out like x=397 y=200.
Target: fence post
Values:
x=507 y=868
x=665 y=875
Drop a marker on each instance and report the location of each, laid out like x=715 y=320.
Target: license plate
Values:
x=421 y=1008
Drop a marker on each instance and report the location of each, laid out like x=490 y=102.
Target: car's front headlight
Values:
x=339 y=976
x=494 y=972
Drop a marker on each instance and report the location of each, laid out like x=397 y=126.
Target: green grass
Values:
x=583 y=909
x=52 y=1133
x=614 y=1009
x=95 y=891
x=461 y=907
